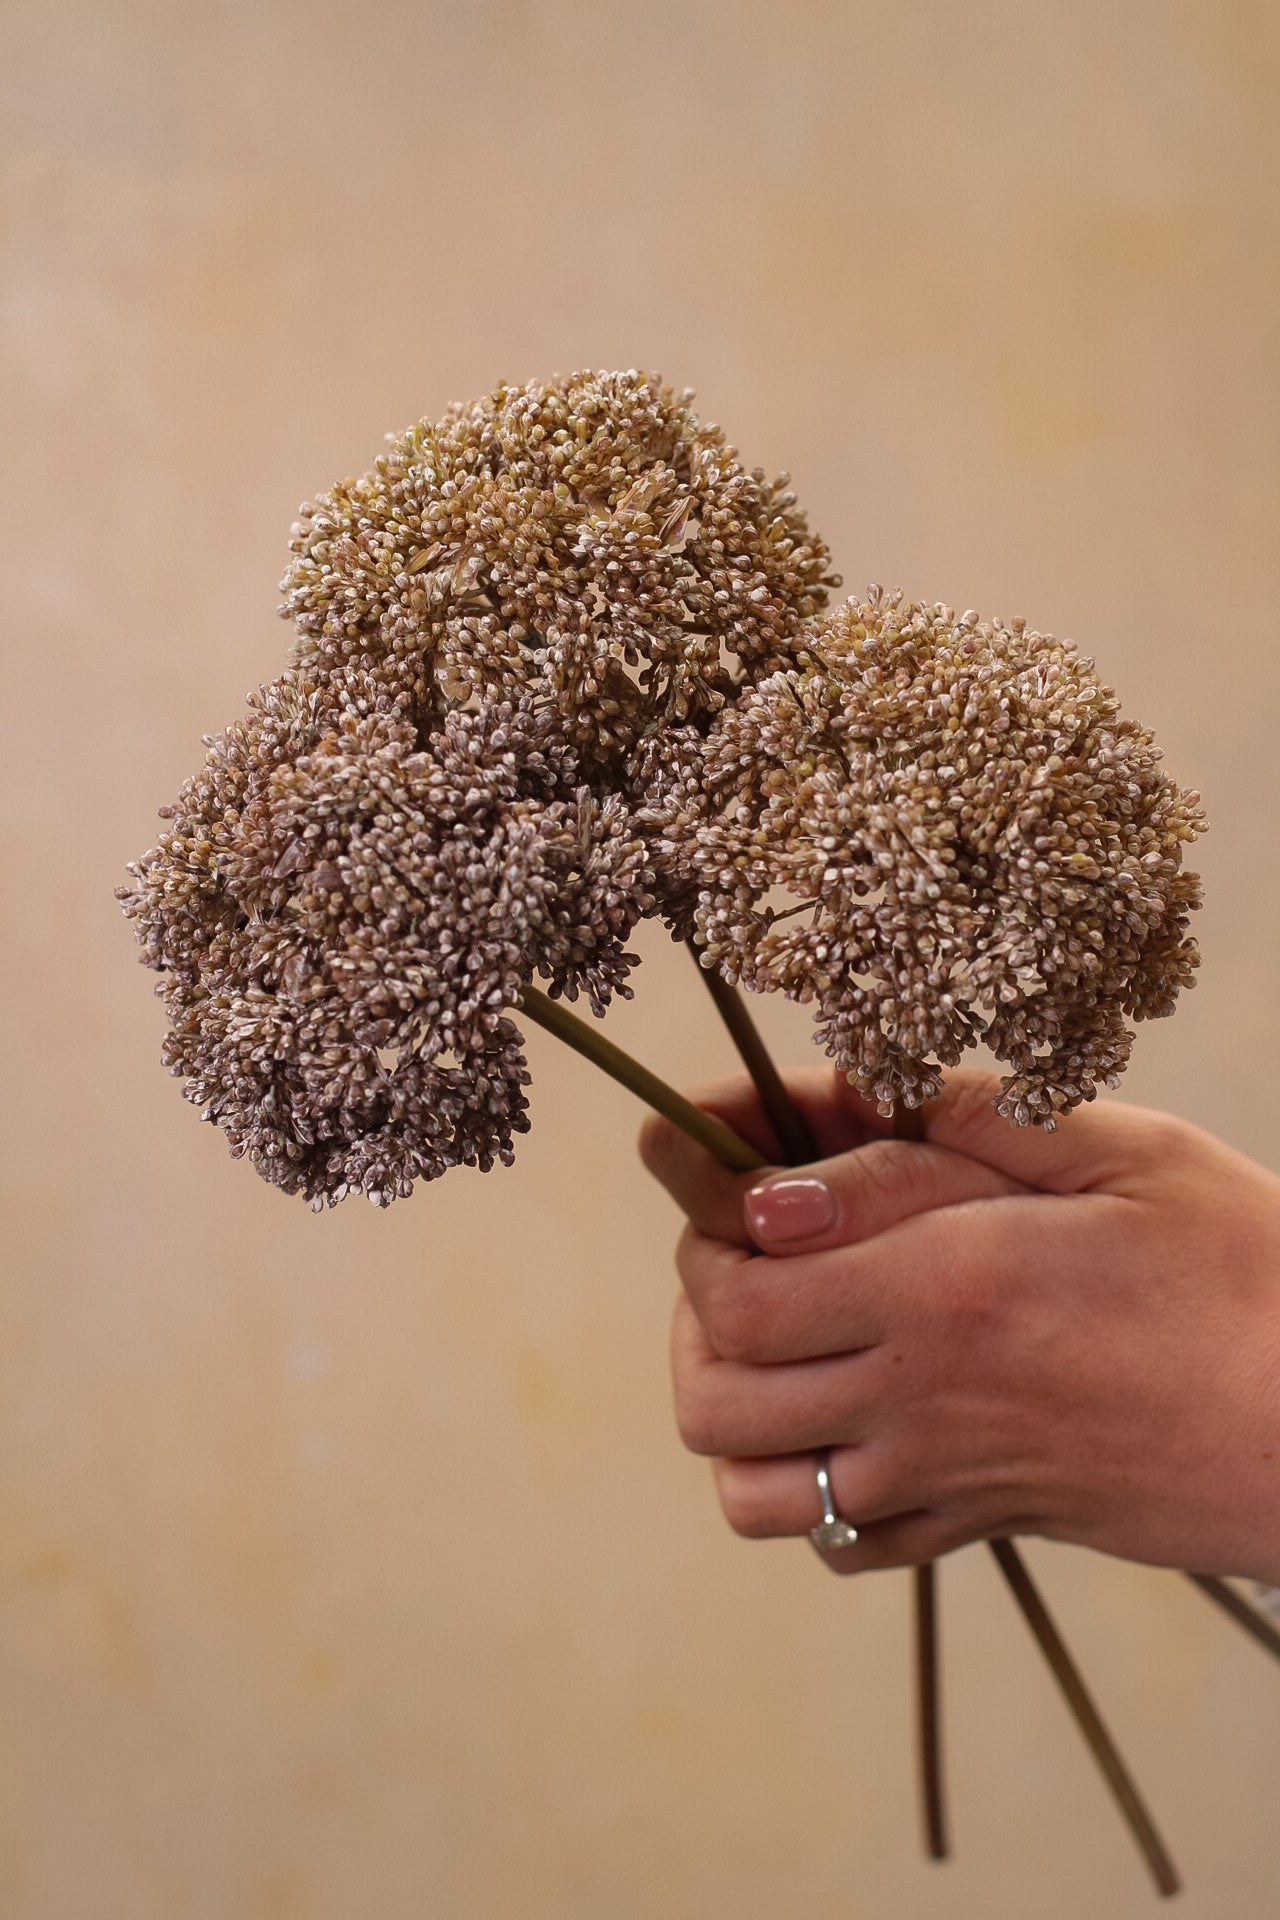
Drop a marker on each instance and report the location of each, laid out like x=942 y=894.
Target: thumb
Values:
x=1087 y=1144
x=855 y=1195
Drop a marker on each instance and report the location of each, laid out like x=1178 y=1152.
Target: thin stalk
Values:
x=1248 y=1617
x=929 y=1711
x=794 y=1134
x=719 y=1140
x=1087 y=1717
x=795 y=1137
x=908 y=1124
x=735 y=1154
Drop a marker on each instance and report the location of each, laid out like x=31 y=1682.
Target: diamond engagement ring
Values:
x=831 y=1531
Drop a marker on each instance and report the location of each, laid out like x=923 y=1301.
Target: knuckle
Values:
x=969 y=1291
x=970 y=1102
x=741 y=1501
x=965 y=1297
x=696 y=1416
x=886 y=1482
x=694 y=1261
x=891 y=1170
x=1168 y=1138
x=736 y=1320
x=657 y=1143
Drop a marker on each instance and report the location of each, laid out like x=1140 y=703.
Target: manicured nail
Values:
x=783 y=1210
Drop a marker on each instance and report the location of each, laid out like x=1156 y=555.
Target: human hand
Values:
x=996 y=1331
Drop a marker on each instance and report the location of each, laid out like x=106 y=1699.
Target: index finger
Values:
x=832 y=1203
x=705 y=1191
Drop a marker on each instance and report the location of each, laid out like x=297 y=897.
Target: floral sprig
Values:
x=588 y=540
x=562 y=663
x=345 y=913
x=938 y=830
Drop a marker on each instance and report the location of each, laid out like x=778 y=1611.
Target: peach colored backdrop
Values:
x=350 y=1566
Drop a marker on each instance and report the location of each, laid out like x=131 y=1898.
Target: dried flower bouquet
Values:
x=562 y=664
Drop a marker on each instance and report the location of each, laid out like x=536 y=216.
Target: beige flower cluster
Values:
x=589 y=537
x=939 y=830
x=563 y=663
x=344 y=912
x=430 y=810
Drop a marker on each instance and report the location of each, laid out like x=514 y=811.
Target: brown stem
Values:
x=928 y=1710
x=719 y=1140
x=795 y=1137
x=908 y=1124
x=734 y=1153
x=1087 y=1717
x=1248 y=1617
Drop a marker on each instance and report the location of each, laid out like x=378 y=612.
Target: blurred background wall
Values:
x=350 y=1566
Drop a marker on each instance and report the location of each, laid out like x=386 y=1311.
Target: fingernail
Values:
x=783 y=1210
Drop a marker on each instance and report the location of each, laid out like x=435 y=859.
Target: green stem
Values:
x=720 y=1141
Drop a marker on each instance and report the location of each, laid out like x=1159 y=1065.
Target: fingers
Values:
x=709 y=1196
x=713 y=1197
x=932 y=1280
x=852 y=1198
x=909 y=1541
x=760 y=1313
x=723 y=1407
x=1094 y=1146
x=1089 y=1145
x=778 y=1499
x=772 y=1499
x=837 y=1116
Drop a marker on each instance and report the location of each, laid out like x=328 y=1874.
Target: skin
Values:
x=996 y=1331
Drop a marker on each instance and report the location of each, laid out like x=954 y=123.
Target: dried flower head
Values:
x=587 y=539
x=344 y=910
x=939 y=830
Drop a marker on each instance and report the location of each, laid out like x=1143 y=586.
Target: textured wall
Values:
x=349 y=1566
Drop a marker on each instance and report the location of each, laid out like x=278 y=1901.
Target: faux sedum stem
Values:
x=1239 y=1610
x=929 y=1710
x=795 y=1136
x=1087 y=1718
x=735 y=1154
x=587 y=1039
x=909 y=1124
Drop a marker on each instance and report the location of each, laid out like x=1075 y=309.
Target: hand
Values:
x=997 y=1331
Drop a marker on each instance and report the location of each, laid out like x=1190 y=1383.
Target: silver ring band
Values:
x=831 y=1530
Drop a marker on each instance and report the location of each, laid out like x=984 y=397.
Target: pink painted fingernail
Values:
x=785 y=1210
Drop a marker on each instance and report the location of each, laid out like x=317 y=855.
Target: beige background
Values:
x=350 y=1566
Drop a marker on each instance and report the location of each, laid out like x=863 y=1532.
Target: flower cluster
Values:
x=344 y=911
x=587 y=537
x=562 y=663
x=939 y=830
x=495 y=627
